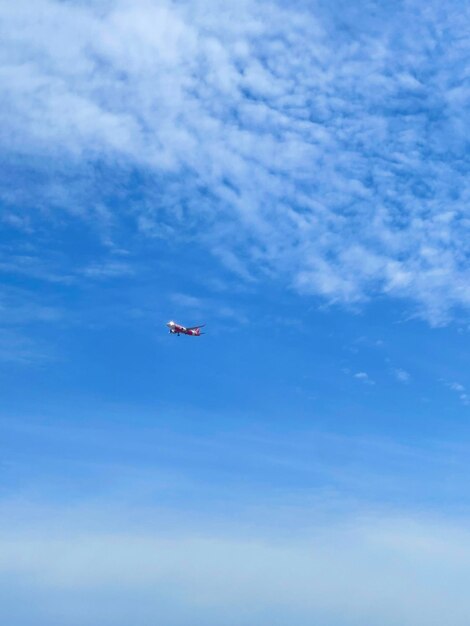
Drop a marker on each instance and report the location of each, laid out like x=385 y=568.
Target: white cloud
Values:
x=459 y=389
x=402 y=375
x=330 y=162
x=364 y=377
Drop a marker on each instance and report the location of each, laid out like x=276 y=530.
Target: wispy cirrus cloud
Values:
x=108 y=269
x=329 y=157
x=19 y=349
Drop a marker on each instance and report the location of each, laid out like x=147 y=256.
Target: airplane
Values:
x=177 y=329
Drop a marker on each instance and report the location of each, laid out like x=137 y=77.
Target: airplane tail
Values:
x=196 y=330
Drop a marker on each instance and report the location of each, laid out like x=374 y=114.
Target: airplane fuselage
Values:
x=177 y=329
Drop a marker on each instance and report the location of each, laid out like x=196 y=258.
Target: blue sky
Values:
x=295 y=176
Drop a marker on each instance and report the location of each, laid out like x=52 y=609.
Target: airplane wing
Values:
x=195 y=327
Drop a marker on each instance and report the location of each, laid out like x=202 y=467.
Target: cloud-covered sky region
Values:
x=295 y=175
x=322 y=143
